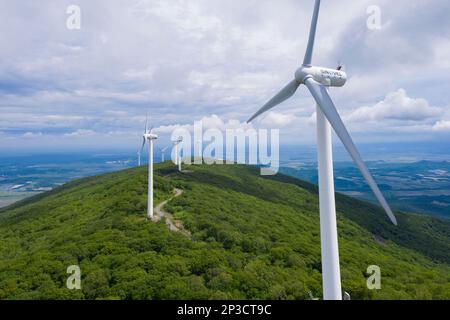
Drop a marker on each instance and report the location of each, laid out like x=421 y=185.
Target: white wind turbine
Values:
x=317 y=79
x=149 y=136
x=200 y=151
x=177 y=156
x=162 y=150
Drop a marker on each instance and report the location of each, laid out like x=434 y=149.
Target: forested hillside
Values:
x=248 y=237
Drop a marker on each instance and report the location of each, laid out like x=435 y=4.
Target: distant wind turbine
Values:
x=149 y=136
x=162 y=150
x=177 y=156
x=200 y=151
x=317 y=79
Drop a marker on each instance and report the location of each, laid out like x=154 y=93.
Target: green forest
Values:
x=247 y=237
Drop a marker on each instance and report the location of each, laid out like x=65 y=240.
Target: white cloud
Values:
x=208 y=122
x=396 y=106
x=275 y=119
x=184 y=59
x=171 y=128
x=442 y=125
x=80 y=133
x=32 y=135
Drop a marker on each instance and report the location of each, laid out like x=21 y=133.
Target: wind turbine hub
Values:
x=325 y=76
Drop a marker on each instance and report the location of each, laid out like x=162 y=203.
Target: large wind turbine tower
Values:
x=317 y=80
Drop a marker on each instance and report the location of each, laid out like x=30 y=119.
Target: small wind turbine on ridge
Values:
x=162 y=150
x=150 y=137
x=177 y=155
x=200 y=151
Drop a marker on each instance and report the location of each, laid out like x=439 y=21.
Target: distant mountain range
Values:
x=409 y=185
x=421 y=187
x=244 y=237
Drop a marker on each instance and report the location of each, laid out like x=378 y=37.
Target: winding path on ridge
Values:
x=168 y=217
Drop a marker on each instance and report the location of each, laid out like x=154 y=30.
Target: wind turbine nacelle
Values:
x=150 y=136
x=179 y=140
x=325 y=76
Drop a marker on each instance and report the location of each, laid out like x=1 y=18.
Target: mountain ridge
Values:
x=253 y=237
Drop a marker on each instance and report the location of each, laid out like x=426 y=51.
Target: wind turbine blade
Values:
x=312 y=35
x=287 y=92
x=146 y=123
x=143 y=144
x=320 y=94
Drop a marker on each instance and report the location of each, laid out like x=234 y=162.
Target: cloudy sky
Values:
x=216 y=60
